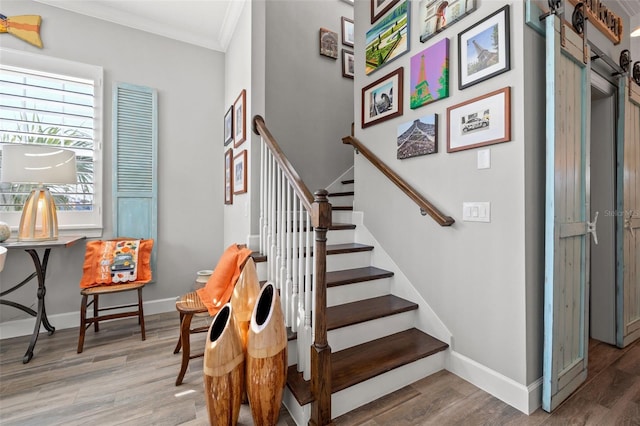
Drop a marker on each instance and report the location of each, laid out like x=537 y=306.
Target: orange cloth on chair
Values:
x=220 y=285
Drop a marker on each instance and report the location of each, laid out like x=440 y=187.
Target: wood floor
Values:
x=121 y=380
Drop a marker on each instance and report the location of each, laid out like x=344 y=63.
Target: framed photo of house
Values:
x=418 y=137
x=240 y=172
x=228 y=126
x=382 y=99
x=481 y=121
x=388 y=39
x=437 y=15
x=348 y=35
x=483 y=49
x=328 y=43
x=228 y=176
x=239 y=119
x=347 y=63
x=380 y=7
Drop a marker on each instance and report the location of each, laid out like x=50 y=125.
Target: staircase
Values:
x=375 y=346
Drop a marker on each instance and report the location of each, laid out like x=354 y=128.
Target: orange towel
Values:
x=220 y=285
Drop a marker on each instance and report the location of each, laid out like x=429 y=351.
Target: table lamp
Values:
x=38 y=164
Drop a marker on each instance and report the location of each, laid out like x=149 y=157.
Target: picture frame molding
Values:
x=345 y=64
x=240 y=158
x=345 y=23
x=228 y=176
x=504 y=49
x=240 y=129
x=398 y=100
x=378 y=12
x=474 y=142
x=327 y=54
x=228 y=126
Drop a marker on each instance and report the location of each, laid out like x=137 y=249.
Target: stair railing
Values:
x=289 y=214
x=426 y=207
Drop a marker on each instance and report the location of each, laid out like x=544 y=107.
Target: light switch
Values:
x=484 y=159
x=474 y=211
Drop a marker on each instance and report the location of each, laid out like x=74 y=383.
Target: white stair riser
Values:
x=342 y=216
x=357 y=334
x=357 y=291
x=338 y=262
x=340 y=236
x=292 y=353
x=356 y=396
x=343 y=200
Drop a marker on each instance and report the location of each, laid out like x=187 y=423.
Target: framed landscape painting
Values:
x=437 y=15
x=380 y=7
x=240 y=119
x=228 y=176
x=388 y=39
x=429 y=79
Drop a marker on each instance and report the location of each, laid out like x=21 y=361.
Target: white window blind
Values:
x=48 y=101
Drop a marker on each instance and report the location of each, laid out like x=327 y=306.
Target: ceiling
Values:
x=205 y=23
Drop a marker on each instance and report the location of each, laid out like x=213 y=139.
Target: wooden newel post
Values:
x=320 y=350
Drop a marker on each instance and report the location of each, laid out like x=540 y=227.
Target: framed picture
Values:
x=418 y=137
x=380 y=7
x=347 y=63
x=228 y=176
x=348 y=35
x=329 y=43
x=382 y=99
x=388 y=39
x=484 y=120
x=437 y=15
x=483 y=49
x=429 y=77
x=240 y=173
x=240 y=119
x=228 y=126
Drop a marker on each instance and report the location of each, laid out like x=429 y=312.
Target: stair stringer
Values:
x=426 y=319
x=337 y=185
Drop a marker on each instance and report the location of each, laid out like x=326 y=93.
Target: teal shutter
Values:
x=135 y=154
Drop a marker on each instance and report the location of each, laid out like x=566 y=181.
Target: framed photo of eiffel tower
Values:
x=483 y=49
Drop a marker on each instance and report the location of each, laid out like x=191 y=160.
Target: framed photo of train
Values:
x=382 y=99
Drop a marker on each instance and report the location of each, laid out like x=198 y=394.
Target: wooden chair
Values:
x=189 y=305
x=89 y=290
x=96 y=318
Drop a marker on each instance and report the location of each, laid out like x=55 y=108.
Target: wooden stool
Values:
x=108 y=289
x=188 y=305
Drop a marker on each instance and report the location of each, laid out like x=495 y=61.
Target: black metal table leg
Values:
x=41 y=316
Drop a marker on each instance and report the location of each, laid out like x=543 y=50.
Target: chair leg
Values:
x=96 y=327
x=141 y=313
x=179 y=344
x=185 y=330
x=83 y=318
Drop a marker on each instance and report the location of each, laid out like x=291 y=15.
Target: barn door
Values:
x=628 y=294
x=567 y=228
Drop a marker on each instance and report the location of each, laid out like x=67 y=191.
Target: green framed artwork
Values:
x=388 y=39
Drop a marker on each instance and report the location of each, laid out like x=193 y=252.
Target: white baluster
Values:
x=309 y=298
x=293 y=267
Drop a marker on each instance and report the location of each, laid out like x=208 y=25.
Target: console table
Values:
x=40 y=265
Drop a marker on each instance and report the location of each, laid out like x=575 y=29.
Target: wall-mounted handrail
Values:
x=425 y=205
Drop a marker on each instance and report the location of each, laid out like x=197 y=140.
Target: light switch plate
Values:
x=484 y=159
x=476 y=211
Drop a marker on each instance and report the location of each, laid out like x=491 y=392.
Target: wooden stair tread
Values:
x=366 y=310
x=349 y=276
x=342 y=208
x=340 y=226
x=362 y=362
x=344 y=182
x=347 y=248
x=341 y=194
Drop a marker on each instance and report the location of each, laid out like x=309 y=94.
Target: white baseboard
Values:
x=24 y=327
x=527 y=399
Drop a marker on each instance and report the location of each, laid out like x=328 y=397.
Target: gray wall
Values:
x=309 y=105
x=471 y=274
x=190 y=84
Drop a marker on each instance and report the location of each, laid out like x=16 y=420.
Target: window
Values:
x=50 y=101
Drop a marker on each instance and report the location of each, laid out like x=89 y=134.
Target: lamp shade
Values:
x=38 y=164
